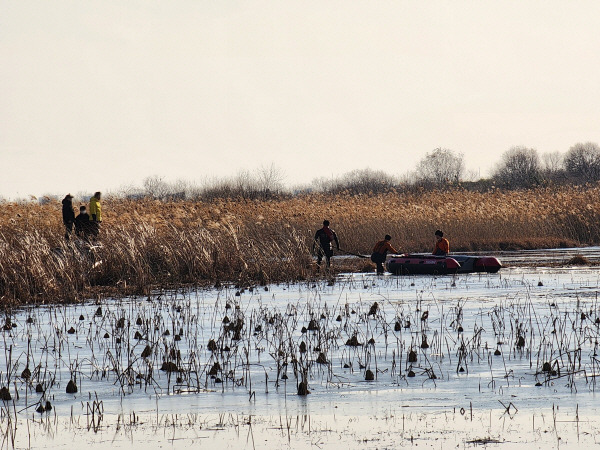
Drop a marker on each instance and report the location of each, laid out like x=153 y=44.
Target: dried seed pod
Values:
x=5 y=394
x=212 y=345
x=412 y=356
x=169 y=366
x=26 y=374
x=146 y=352
x=303 y=389
x=71 y=387
x=321 y=359
x=353 y=342
x=216 y=367
x=374 y=308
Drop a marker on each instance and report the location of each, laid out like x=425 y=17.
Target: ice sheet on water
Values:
x=553 y=310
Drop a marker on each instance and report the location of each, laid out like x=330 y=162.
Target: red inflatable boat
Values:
x=441 y=265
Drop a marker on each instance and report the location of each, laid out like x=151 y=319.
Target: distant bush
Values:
x=361 y=181
x=582 y=162
x=519 y=168
x=441 y=167
x=578 y=260
x=265 y=184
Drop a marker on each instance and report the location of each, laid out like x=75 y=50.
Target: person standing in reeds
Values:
x=95 y=213
x=380 y=251
x=82 y=223
x=68 y=215
x=442 y=246
x=324 y=238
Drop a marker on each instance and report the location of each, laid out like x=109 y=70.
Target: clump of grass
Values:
x=578 y=260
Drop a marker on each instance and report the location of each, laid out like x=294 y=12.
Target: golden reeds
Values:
x=145 y=244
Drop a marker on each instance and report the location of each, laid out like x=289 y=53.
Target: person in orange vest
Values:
x=442 y=246
x=380 y=251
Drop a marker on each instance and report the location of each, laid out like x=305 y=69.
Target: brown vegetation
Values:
x=148 y=243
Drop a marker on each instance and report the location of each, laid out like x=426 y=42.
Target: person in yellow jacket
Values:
x=380 y=251
x=95 y=212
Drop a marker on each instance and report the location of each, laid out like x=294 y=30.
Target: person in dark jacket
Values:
x=324 y=238
x=68 y=215
x=82 y=223
x=380 y=251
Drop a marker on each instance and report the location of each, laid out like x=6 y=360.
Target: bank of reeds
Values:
x=146 y=244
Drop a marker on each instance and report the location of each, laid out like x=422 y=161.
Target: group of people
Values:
x=325 y=238
x=86 y=224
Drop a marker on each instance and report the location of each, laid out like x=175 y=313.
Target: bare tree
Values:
x=269 y=180
x=582 y=161
x=441 y=167
x=155 y=187
x=130 y=191
x=519 y=167
x=243 y=184
x=553 y=167
x=552 y=161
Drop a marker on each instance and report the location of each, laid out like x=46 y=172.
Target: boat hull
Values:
x=441 y=265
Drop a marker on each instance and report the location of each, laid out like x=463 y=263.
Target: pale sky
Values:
x=95 y=95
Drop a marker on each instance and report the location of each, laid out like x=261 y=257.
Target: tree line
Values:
x=519 y=167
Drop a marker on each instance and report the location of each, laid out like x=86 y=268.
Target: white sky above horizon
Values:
x=97 y=95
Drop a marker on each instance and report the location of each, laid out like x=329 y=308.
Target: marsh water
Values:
x=501 y=360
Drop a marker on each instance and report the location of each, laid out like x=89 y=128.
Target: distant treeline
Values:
x=519 y=168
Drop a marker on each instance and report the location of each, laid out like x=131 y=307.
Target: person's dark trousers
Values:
x=68 y=230
x=378 y=259
x=327 y=252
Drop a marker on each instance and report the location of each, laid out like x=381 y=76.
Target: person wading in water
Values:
x=323 y=241
x=380 y=251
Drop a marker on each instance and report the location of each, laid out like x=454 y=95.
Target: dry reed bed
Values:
x=148 y=243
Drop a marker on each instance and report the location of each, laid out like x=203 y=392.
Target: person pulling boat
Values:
x=380 y=251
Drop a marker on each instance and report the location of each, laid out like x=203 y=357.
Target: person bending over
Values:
x=380 y=251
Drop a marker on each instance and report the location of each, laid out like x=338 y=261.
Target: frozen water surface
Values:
x=507 y=359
